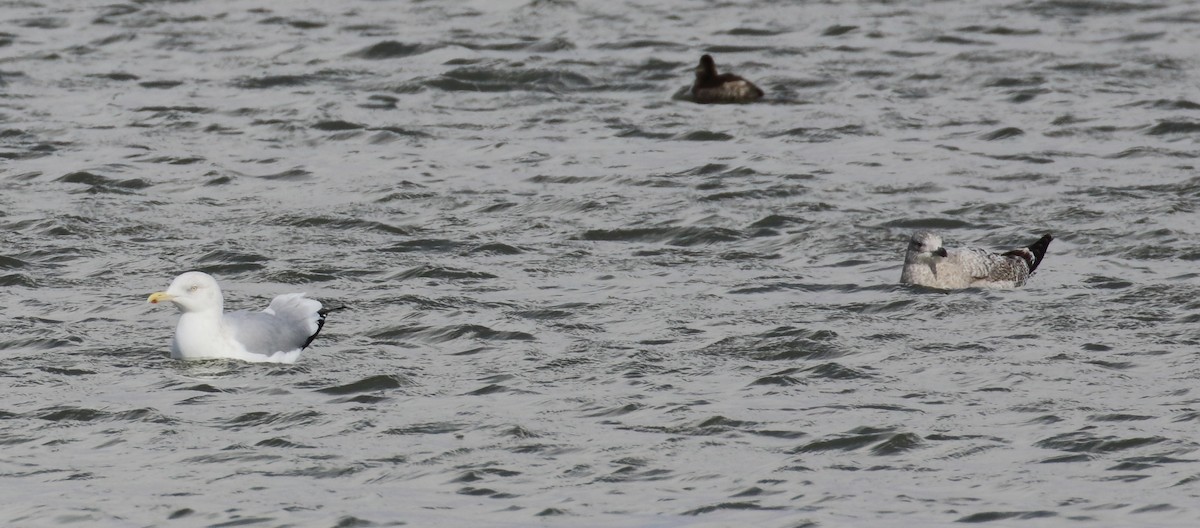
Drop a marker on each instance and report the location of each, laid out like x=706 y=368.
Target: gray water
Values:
x=577 y=299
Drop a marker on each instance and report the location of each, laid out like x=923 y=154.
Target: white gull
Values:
x=275 y=335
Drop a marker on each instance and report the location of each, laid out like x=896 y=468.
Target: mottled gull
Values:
x=929 y=264
x=274 y=335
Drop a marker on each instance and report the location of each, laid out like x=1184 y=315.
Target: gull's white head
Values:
x=924 y=246
x=192 y=292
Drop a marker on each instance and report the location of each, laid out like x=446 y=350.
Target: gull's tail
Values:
x=1039 y=250
x=1034 y=252
x=321 y=323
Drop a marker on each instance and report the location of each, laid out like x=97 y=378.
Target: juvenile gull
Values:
x=724 y=88
x=929 y=264
x=274 y=335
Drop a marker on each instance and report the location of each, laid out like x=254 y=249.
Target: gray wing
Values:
x=264 y=333
x=286 y=325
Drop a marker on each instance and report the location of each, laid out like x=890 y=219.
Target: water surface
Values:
x=577 y=298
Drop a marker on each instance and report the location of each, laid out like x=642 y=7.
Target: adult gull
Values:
x=275 y=335
x=929 y=264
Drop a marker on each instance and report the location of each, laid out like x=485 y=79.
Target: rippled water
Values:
x=577 y=298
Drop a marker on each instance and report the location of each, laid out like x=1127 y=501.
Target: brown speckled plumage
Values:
x=927 y=263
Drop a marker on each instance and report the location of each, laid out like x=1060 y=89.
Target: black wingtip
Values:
x=1039 y=250
x=321 y=323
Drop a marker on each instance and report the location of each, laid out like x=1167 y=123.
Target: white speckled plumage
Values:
x=927 y=263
